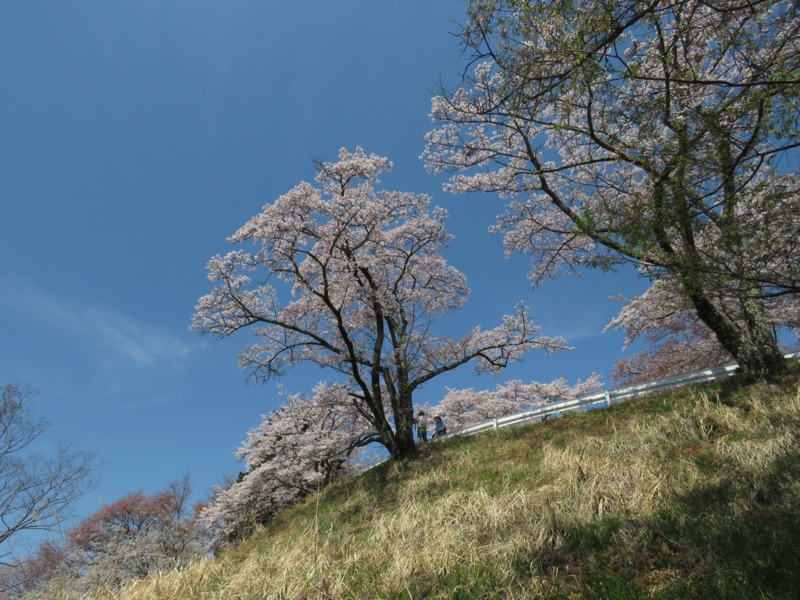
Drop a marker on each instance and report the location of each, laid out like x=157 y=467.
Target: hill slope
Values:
x=690 y=494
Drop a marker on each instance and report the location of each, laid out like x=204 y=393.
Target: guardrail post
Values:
x=608 y=399
x=495 y=423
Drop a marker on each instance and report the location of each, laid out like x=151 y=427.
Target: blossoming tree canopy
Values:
x=661 y=133
x=367 y=282
x=306 y=443
x=301 y=447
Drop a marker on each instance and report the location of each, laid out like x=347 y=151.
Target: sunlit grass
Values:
x=688 y=494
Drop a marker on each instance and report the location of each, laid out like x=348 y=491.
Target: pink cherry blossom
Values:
x=352 y=279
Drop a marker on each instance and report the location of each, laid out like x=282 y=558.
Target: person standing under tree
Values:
x=440 y=429
x=422 y=426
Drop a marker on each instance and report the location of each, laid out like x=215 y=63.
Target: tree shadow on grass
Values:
x=742 y=538
x=729 y=540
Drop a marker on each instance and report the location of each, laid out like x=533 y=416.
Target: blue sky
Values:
x=136 y=136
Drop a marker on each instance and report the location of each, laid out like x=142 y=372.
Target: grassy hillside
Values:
x=685 y=495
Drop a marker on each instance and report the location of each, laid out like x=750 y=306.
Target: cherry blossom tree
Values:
x=367 y=282
x=677 y=340
x=657 y=133
x=300 y=448
x=466 y=407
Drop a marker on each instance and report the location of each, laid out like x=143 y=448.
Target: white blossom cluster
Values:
x=298 y=449
x=462 y=408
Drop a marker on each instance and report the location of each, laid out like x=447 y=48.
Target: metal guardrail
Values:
x=597 y=399
x=606 y=398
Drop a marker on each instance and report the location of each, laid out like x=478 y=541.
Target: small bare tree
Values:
x=35 y=492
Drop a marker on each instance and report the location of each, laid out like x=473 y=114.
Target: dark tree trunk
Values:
x=759 y=356
x=405 y=447
x=400 y=440
x=754 y=345
x=404 y=428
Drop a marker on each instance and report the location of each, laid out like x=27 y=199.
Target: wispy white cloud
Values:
x=101 y=328
x=136 y=340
